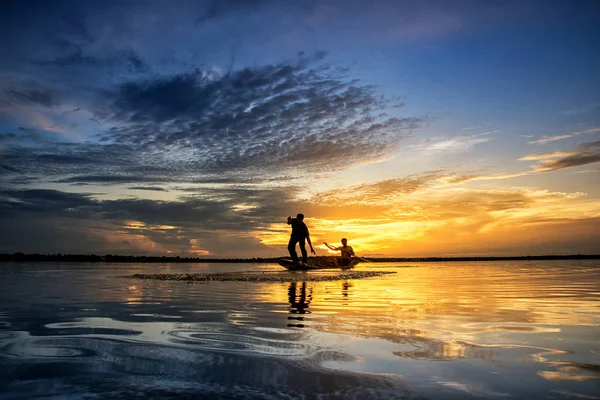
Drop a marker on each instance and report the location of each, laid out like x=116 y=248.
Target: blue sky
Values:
x=196 y=127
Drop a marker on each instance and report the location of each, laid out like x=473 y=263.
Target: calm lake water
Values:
x=518 y=330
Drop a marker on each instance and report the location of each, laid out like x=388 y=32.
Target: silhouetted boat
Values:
x=322 y=262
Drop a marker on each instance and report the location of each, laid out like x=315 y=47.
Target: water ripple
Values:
x=241 y=343
x=452 y=331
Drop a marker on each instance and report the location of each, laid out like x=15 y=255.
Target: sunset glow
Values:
x=447 y=130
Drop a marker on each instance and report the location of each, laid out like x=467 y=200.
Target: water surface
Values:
x=432 y=330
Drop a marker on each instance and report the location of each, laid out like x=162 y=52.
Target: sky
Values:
x=194 y=128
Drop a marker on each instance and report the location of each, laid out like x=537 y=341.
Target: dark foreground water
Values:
x=519 y=330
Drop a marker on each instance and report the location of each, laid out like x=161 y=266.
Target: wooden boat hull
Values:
x=315 y=263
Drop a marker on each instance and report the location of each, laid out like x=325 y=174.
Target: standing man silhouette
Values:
x=299 y=235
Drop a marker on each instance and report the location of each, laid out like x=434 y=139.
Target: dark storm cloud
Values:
x=209 y=216
x=34 y=97
x=216 y=8
x=24 y=135
x=159 y=112
x=22 y=180
x=5 y=137
x=154 y=178
x=213 y=209
x=74 y=45
x=41 y=201
x=51 y=160
x=270 y=117
x=47 y=27
x=70 y=33
x=107 y=179
x=270 y=120
x=76 y=58
x=173 y=121
x=65 y=159
x=129 y=59
x=149 y=188
x=586 y=153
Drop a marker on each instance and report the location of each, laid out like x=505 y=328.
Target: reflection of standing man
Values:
x=299 y=235
x=298 y=303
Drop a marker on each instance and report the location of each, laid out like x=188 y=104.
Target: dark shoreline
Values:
x=110 y=258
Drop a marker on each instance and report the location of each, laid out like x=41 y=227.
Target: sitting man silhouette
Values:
x=346 y=252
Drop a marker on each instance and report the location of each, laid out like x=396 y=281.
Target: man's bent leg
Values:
x=303 y=250
x=292 y=248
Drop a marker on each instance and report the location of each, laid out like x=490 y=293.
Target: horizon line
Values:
x=91 y=257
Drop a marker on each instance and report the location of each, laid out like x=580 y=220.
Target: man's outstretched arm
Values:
x=310 y=244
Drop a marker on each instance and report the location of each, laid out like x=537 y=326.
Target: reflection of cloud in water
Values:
x=474 y=389
x=438 y=350
x=212 y=361
x=474 y=326
x=572 y=371
x=572 y=395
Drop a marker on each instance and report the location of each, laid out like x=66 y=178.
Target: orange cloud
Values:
x=586 y=153
x=548 y=139
x=547 y=156
x=133 y=243
x=395 y=218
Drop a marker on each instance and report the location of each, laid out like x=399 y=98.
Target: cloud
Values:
x=150 y=188
x=109 y=179
x=41 y=201
x=428 y=189
x=389 y=22
x=216 y=9
x=592 y=130
x=546 y=156
x=272 y=120
x=381 y=192
x=248 y=221
x=549 y=139
x=586 y=153
x=127 y=59
x=454 y=144
x=211 y=209
x=458 y=178
x=582 y=109
x=587 y=171
x=162 y=105
x=211 y=218
x=441 y=220
x=299 y=118
x=33 y=97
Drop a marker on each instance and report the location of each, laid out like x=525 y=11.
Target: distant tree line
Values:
x=113 y=258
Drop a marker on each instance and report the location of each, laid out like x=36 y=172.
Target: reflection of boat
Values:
x=322 y=262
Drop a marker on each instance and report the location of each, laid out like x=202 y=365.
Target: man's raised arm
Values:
x=330 y=246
